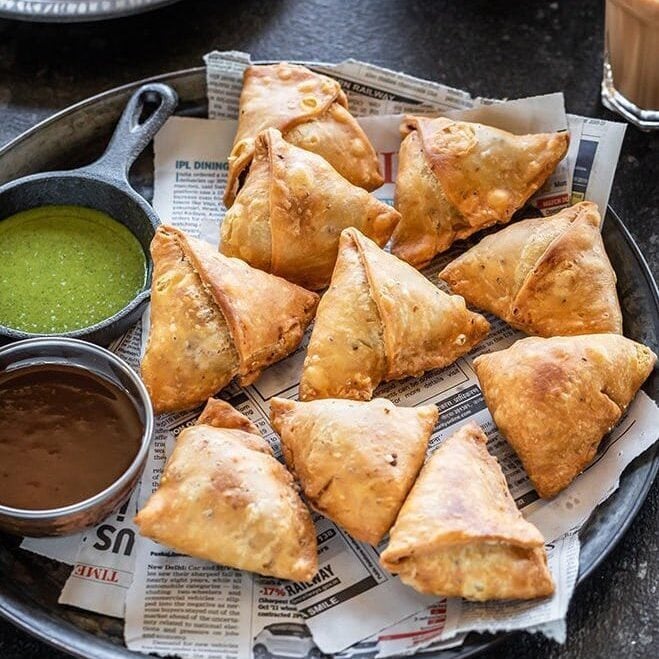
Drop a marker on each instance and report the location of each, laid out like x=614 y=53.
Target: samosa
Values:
x=555 y=399
x=356 y=461
x=214 y=318
x=289 y=215
x=460 y=534
x=311 y=111
x=456 y=178
x=546 y=276
x=225 y=498
x=380 y=320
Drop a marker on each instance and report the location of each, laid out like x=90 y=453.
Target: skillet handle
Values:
x=131 y=136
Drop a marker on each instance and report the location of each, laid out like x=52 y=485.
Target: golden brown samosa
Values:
x=546 y=276
x=225 y=498
x=214 y=318
x=289 y=215
x=555 y=399
x=356 y=461
x=380 y=320
x=459 y=533
x=311 y=111
x=457 y=177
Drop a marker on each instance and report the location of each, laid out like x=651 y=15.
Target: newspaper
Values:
x=180 y=605
x=63 y=549
x=372 y=90
x=353 y=567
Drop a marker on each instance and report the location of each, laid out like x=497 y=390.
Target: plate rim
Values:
x=652 y=453
x=91 y=100
x=11 y=607
x=88 y=17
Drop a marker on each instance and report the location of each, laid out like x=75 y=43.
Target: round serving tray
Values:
x=30 y=584
x=75 y=11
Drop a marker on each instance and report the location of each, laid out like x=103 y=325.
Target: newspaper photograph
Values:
x=178 y=605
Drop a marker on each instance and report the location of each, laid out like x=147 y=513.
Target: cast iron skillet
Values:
x=30 y=585
x=103 y=185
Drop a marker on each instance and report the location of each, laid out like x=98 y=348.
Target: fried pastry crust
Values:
x=380 y=320
x=223 y=497
x=459 y=533
x=289 y=215
x=457 y=177
x=214 y=318
x=311 y=112
x=555 y=399
x=356 y=461
x=546 y=276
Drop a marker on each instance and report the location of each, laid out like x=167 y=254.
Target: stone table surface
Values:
x=491 y=48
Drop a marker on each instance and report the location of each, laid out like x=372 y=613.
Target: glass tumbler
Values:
x=630 y=85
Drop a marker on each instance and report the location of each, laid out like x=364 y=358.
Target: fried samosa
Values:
x=459 y=533
x=546 y=276
x=356 y=461
x=456 y=178
x=311 y=111
x=214 y=318
x=380 y=320
x=555 y=399
x=224 y=497
x=288 y=216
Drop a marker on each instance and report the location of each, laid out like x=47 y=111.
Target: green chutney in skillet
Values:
x=64 y=268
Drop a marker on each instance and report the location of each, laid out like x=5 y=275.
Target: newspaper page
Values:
x=62 y=549
x=346 y=570
x=599 y=145
x=456 y=392
x=229 y=610
x=104 y=564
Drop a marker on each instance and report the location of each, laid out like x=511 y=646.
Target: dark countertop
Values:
x=488 y=47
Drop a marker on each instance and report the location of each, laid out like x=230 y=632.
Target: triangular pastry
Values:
x=380 y=320
x=214 y=318
x=311 y=111
x=547 y=276
x=456 y=178
x=460 y=534
x=555 y=399
x=288 y=216
x=223 y=497
x=355 y=461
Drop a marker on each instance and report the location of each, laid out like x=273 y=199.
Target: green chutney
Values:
x=64 y=268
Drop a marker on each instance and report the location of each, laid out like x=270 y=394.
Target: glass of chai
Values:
x=630 y=85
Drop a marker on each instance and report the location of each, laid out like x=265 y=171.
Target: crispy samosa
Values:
x=289 y=215
x=225 y=498
x=456 y=178
x=545 y=276
x=311 y=111
x=356 y=461
x=459 y=533
x=380 y=320
x=214 y=318
x=555 y=399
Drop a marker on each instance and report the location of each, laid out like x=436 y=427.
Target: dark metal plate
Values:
x=30 y=585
